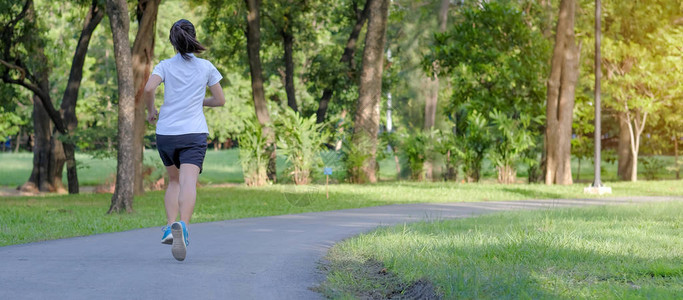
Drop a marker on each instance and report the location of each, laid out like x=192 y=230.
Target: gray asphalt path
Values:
x=257 y=258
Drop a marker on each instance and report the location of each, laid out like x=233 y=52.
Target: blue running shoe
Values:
x=167 y=238
x=180 y=240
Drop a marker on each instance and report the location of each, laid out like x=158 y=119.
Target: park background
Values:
x=463 y=91
x=406 y=101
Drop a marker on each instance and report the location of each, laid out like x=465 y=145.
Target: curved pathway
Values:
x=257 y=258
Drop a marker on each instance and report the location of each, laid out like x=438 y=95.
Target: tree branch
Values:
x=13 y=66
x=21 y=15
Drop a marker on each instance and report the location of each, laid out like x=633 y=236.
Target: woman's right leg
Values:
x=172 y=193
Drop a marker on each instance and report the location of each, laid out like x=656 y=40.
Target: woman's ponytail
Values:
x=184 y=38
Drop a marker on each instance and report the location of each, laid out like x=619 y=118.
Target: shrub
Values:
x=354 y=156
x=445 y=144
x=301 y=140
x=512 y=138
x=416 y=147
x=651 y=166
x=253 y=155
x=473 y=141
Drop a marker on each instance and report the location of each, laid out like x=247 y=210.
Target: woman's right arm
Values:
x=148 y=96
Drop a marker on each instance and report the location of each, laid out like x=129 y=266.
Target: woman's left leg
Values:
x=188 y=191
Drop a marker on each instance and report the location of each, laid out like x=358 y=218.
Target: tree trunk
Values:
x=16 y=142
x=366 y=123
x=506 y=174
x=122 y=200
x=547 y=30
x=288 y=42
x=68 y=106
x=560 y=104
x=38 y=180
x=430 y=116
x=625 y=158
x=142 y=55
x=635 y=130
x=253 y=34
x=48 y=148
x=48 y=160
x=433 y=98
x=578 y=170
x=347 y=57
x=397 y=163
x=678 y=167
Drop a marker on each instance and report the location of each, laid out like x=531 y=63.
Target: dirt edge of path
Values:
x=373 y=281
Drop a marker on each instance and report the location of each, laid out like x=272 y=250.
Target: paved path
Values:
x=257 y=258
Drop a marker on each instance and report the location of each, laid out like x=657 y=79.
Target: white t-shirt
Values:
x=185 y=83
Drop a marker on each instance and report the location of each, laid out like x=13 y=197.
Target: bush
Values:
x=416 y=147
x=301 y=140
x=354 y=156
x=651 y=166
x=512 y=138
x=473 y=141
x=445 y=144
x=253 y=155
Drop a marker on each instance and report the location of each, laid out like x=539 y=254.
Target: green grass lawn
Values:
x=35 y=218
x=219 y=167
x=223 y=167
x=610 y=252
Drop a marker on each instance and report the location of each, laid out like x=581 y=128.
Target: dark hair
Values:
x=184 y=38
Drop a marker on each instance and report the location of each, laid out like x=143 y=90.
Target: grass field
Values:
x=623 y=252
x=35 y=218
x=224 y=167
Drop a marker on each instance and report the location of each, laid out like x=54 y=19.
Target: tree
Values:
x=49 y=153
x=366 y=121
x=253 y=34
x=495 y=61
x=432 y=100
x=641 y=90
x=347 y=57
x=68 y=106
x=142 y=56
x=560 y=104
x=626 y=23
x=285 y=17
x=122 y=200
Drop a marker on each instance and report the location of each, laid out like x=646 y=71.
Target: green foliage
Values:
x=227 y=122
x=473 y=140
x=10 y=123
x=496 y=60
x=511 y=139
x=416 y=147
x=640 y=66
x=301 y=140
x=445 y=144
x=354 y=155
x=253 y=155
x=652 y=166
x=583 y=128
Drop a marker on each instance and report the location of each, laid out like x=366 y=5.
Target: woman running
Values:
x=181 y=130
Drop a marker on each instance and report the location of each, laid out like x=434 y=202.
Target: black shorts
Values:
x=182 y=149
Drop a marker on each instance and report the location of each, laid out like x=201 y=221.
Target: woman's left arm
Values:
x=217 y=98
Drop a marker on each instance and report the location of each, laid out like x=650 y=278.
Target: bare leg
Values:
x=172 y=192
x=188 y=191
